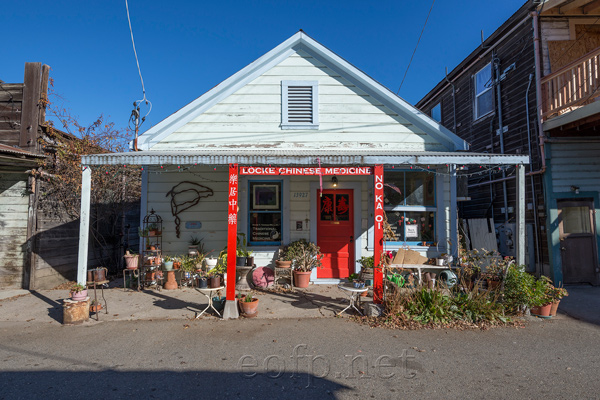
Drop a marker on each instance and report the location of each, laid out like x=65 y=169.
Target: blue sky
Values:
x=187 y=47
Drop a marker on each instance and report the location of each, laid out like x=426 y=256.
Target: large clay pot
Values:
x=301 y=279
x=554 y=308
x=79 y=296
x=542 y=311
x=131 y=261
x=283 y=264
x=249 y=309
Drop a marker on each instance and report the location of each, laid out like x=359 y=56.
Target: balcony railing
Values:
x=572 y=86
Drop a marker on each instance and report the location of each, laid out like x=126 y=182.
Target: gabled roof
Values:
x=300 y=41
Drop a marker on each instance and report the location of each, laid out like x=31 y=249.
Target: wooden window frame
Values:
x=403 y=208
x=285 y=122
x=477 y=95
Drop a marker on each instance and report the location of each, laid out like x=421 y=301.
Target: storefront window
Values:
x=265 y=214
x=409 y=204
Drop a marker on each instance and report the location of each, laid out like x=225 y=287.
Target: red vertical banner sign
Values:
x=378 y=236
x=232 y=214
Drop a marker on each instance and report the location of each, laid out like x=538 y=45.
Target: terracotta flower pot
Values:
x=249 y=309
x=493 y=284
x=283 y=264
x=131 y=261
x=554 y=308
x=301 y=279
x=96 y=308
x=542 y=311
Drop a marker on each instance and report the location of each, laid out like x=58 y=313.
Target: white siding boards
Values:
x=300 y=94
x=300 y=104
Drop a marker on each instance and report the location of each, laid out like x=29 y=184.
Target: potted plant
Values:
x=95 y=306
x=248 y=305
x=210 y=262
x=131 y=260
x=195 y=246
x=305 y=256
x=202 y=281
x=243 y=256
x=219 y=302
x=153 y=230
x=493 y=276
x=78 y=292
x=284 y=261
x=366 y=264
x=542 y=297
x=557 y=294
x=168 y=263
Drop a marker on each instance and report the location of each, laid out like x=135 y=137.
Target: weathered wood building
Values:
x=38 y=245
x=531 y=88
x=300 y=144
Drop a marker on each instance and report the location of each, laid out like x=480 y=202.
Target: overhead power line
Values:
x=415 y=50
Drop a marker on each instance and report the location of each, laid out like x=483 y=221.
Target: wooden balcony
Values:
x=572 y=86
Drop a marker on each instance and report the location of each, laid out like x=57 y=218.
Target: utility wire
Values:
x=137 y=62
x=415 y=50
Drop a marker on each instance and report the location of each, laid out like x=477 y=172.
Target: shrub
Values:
x=518 y=289
x=305 y=255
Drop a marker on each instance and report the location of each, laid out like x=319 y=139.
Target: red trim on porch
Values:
x=232 y=213
x=378 y=236
x=306 y=171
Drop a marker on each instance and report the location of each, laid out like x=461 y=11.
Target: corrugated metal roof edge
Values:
x=299 y=157
x=6 y=149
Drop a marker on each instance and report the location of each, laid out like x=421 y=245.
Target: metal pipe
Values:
x=533 y=199
x=496 y=62
x=538 y=92
x=453 y=101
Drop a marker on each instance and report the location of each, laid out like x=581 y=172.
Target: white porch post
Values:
x=84 y=225
x=520 y=215
x=453 y=214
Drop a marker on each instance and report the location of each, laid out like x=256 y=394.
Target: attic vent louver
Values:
x=299 y=105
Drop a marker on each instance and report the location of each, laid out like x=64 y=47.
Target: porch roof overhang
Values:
x=304 y=157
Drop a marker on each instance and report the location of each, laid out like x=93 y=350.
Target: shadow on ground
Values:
x=166 y=385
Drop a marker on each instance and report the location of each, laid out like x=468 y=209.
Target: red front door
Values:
x=335 y=233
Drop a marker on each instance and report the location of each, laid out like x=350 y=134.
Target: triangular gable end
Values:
x=298 y=43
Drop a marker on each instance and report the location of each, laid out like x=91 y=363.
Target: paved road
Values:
x=296 y=359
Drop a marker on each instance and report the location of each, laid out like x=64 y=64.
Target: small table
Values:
x=209 y=295
x=419 y=268
x=95 y=284
x=354 y=295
